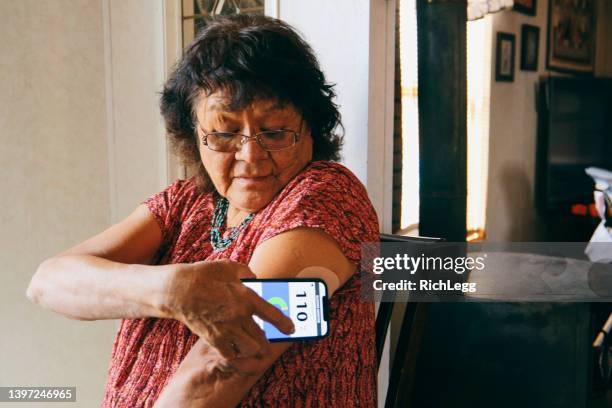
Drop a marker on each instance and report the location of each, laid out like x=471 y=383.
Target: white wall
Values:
x=81 y=145
x=55 y=185
x=513 y=126
x=354 y=42
x=136 y=69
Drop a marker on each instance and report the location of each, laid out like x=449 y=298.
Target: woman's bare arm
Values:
x=106 y=277
x=87 y=287
x=198 y=381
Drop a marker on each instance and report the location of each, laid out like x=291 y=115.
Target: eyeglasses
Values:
x=270 y=140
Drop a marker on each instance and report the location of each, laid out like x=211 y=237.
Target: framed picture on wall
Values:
x=504 y=57
x=530 y=40
x=525 y=7
x=571 y=36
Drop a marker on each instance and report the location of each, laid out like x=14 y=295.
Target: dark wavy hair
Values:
x=249 y=57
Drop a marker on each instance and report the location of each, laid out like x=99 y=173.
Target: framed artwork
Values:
x=530 y=40
x=525 y=6
x=571 y=36
x=504 y=58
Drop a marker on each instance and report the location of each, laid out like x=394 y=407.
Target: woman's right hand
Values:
x=211 y=300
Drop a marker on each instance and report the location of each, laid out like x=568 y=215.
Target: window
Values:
x=478 y=83
x=195 y=13
x=410 y=116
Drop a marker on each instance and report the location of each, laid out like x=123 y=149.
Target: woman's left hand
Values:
x=202 y=367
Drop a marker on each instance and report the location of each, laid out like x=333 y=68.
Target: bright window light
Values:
x=410 y=115
x=479 y=85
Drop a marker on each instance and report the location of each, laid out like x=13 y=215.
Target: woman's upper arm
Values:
x=133 y=240
x=296 y=252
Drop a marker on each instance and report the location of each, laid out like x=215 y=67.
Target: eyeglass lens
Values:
x=271 y=140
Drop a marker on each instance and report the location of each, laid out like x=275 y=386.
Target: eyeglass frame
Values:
x=245 y=138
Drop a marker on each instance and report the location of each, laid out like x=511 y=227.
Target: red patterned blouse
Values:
x=338 y=371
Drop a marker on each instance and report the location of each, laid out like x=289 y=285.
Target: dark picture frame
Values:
x=530 y=47
x=571 y=36
x=528 y=7
x=504 y=57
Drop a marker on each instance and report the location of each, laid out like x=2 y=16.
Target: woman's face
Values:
x=251 y=177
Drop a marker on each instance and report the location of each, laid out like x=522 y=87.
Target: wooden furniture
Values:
x=404 y=355
x=574 y=128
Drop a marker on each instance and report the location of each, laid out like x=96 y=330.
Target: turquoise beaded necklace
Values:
x=218 y=242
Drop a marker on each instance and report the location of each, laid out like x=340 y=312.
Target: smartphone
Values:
x=304 y=301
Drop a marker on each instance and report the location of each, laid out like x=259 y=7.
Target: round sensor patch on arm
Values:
x=327 y=275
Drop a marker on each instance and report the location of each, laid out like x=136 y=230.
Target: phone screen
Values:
x=302 y=300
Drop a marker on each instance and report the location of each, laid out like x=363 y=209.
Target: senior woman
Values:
x=250 y=109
